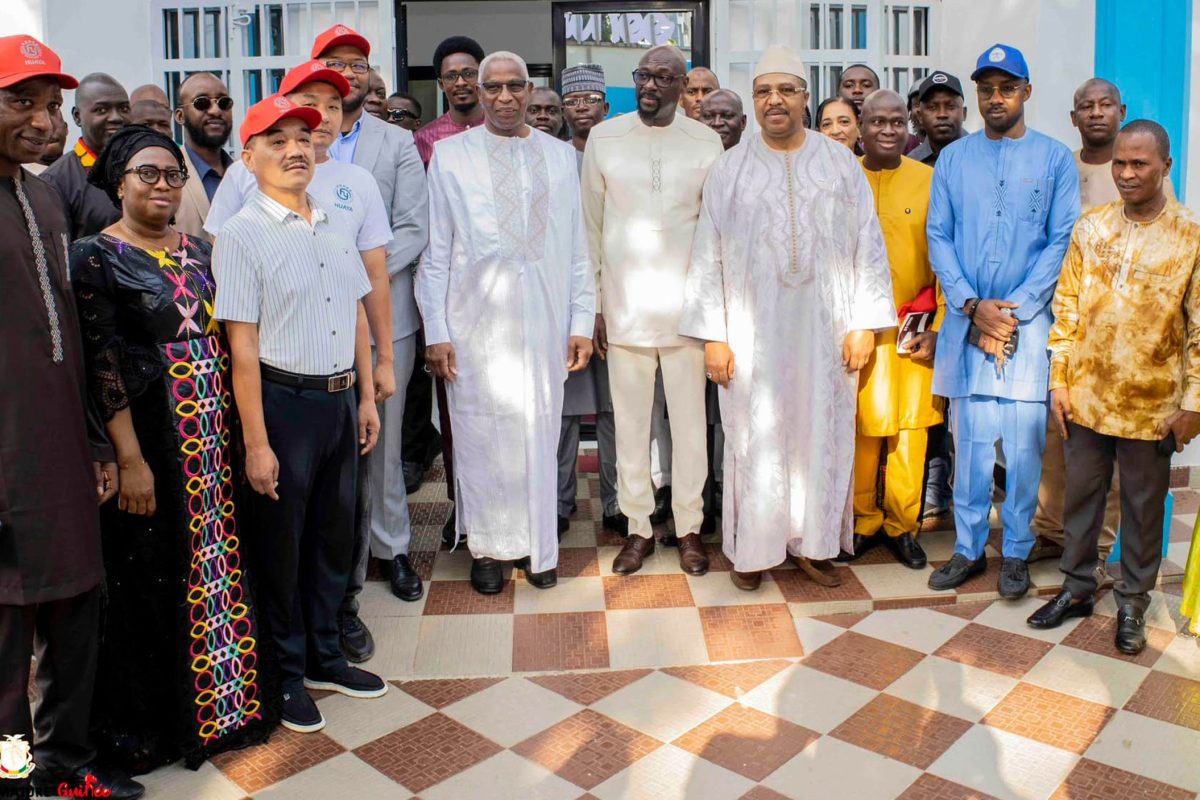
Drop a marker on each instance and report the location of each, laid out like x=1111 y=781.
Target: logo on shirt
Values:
x=345 y=196
x=997 y=55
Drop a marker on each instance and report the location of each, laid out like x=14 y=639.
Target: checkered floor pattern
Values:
x=664 y=686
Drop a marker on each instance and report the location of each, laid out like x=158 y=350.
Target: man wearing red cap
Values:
x=51 y=568
x=388 y=153
x=289 y=288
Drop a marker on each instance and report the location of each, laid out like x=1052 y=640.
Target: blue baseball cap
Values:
x=1004 y=58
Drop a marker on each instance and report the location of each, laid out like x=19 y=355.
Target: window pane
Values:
x=253 y=33
x=764 y=26
x=191 y=32
x=835 y=28
x=920 y=31
x=814 y=93
x=900 y=80
x=835 y=80
x=739 y=24
x=900 y=32
x=214 y=33
x=274 y=78
x=858 y=29
x=814 y=25
x=170 y=33
x=275 y=44
x=254 y=89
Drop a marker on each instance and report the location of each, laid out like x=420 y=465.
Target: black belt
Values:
x=325 y=383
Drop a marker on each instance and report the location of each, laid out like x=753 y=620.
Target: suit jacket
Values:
x=388 y=153
x=193 y=208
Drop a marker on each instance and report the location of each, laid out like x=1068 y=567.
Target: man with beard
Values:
x=375 y=103
x=456 y=62
x=205 y=113
x=940 y=112
x=701 y=82
x=643 y=175
x=101 y=106
x=722 y=111
x=545 y=111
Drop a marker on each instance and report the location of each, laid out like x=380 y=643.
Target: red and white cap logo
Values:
x=342 y=30
x=282 y=102
x=31 y=49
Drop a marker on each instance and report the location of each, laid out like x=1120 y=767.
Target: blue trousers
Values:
x=1020 y=428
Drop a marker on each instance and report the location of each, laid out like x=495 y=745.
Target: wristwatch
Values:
x=973 y=303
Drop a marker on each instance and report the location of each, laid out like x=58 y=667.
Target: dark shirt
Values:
x=88 y=208
x=208 y=175
x=925 y=154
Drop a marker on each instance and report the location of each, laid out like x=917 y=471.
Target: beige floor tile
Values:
x=1004 y=765
x=884 y=581
x=352 y=722
x=815 y=634
x=655 y=637
x=715 y=589
x=1178 y=552
x=856 y=773
x=1181 y=658
x=916 y=628
x=176 y=780
x=345 y=776
x=1010 y=615
x=1045 y=573
x=670 y=773
x=808 y=697
x=938 y=545
x=395 y=645
x=377 y=600
x=824 y=607
x=1158 y=750
x=1162 y=613
x=454 y=566
x=511 y=711
x=571 y=594
x=582 y=533
x=663 y=561
x=1088 y=676
x=952 y=688
x=662 y=706
x=504 y=776
x=464 y=646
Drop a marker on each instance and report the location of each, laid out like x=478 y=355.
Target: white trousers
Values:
x=631 y=376
x=660 y=437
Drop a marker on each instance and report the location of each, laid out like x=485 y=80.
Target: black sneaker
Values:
x=300 y=713
x=355 y=639
x=350 y=681
x=1014 y=579
x=955 y=572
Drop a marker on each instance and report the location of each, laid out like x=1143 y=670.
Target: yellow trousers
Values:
x=902 y=488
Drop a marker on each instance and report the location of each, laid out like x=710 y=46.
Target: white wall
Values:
x=522 y=26
x=22 y=16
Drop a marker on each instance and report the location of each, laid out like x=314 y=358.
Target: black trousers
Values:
x=421 y=440
x=64 y=634
x=305 y=540
x=1145 y=478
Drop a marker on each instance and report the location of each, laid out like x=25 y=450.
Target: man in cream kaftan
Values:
x=506 y=280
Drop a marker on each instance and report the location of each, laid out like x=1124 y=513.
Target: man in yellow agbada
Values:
x=896 y=407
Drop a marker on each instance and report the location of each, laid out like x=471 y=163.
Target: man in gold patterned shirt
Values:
x=1124 y=375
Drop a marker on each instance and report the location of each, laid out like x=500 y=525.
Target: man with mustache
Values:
x=643 y=176
x=101 y=106
x=1002 y=207
x=205 y=113
x=722 y=111
x=456 y=62
x=701 y=82
x=545 y=111
x=940 y=112
x=506 y=293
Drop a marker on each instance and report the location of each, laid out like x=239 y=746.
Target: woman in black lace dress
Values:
x=180 y=672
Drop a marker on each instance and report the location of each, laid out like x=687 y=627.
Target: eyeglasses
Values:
x=357 y=67
x=786 y=90
x=1008 y=91
x=204 y=103
x=641 y=77
x=586 y=100
x=397 y=114
x=176 y=178
x=467 y=75
x=493 y=89
x=536 y=110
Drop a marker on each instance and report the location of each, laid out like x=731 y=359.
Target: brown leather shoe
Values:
x=746 y=581
x=629 y=560
x=692 y=558
x=822 y=573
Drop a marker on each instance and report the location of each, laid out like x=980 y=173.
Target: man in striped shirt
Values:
x=290 y=286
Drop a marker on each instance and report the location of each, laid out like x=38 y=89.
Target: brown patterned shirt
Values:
x=1126 y=335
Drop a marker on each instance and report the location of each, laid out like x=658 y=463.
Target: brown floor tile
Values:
x=864 y=660
x=1095 y=634
x=985 y=581
x=1174 y=589
x=425 y=539
x=606 y=538
x=731 y=680
x=733 y=633
x=427 y=752
x=589 y=687
x=964 y=610
x=1169 y=698
x=889 y=603
x=931 y=787
x=459 y=597
x=763 y=793
x=1052 y=718
x=1180 y=477
x=647 y=591
x=573 y=640
x=287 y=753
x=422 y=563
x=440 y=693
x=941 y=522
x=587 y=748
x=1091 y=780
x=902 y=730
x=799 y=588
x=989 y=648
x=844 y=620
x=717 y=562
x=747 y=741
x=1186 y=501
x=429 y=513
x=578 y=562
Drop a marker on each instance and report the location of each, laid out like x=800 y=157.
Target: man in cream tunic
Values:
x=642 y=178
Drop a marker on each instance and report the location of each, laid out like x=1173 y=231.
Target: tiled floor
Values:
x=664 y=686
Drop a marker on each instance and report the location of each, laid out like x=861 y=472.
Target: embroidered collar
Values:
x=85 y=154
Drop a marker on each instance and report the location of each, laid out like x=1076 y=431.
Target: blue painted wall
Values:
x=1145 y=47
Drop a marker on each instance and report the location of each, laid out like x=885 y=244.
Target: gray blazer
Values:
x=388 y=153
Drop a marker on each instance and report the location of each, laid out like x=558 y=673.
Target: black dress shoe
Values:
x=414 y=475
x=906 y=550
x=538 y=580
x=1063 y=607
x=709 y=524
x=955 y=572
x=1014 y=579
x=487 y=575
x=93 y=780
x=1131 y=630
x=356 y=641
x=862 y=543
x=617 y=523
x=448 y=530
x=406 y=583
x=662 y=506
x=564 y=525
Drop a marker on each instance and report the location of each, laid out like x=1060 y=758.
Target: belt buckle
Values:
x=339 y=383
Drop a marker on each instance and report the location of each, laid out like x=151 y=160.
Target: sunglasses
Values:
x=397 y=114
x=203 y=103
x=176 y=178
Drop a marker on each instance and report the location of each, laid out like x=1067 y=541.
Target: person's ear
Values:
x=179 y=115
x=75 y=116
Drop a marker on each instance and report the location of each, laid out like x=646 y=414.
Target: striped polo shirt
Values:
x=299 y=282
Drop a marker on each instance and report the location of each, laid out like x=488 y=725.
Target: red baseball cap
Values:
x=311 y=71
x=24 y=57
x=340 y=34
x=265 y=114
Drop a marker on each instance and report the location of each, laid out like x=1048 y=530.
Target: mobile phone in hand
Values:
x=1166 y=445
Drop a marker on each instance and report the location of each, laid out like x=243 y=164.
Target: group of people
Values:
x=243 y=355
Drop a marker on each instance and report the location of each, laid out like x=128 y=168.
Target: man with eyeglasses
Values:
x=643 y=176
x=787 y=287
x=404 y=110
x=1001 y=210
x=456 y=62
x=699 y=84
x=506 y=294
x=545 y=111
x=101 y=107
x=205 y=113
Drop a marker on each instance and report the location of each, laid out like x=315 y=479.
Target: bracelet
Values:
x=975 y=301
